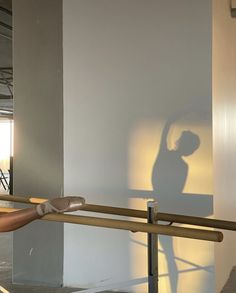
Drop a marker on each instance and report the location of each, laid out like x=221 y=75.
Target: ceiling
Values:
x=6 y=90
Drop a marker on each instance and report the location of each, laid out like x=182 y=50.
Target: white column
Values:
x=38 y=150
x=224 y=111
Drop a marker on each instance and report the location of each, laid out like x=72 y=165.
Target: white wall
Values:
x=129 y=66
x=224 y=86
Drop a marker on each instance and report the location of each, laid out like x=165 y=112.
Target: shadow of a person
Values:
x=169 y=175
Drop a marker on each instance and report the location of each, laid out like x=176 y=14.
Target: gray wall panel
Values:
x=38 y=146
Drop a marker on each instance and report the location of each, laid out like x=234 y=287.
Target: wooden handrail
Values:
x=204 y=222
x=131 y=226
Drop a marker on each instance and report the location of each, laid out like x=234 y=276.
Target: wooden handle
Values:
x=220 y=224
x=131 y=226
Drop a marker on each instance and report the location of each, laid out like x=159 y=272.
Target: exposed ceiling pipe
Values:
x=5 y=25
x=5 y=97
x=5 y=36
x=6 y=69
x=5 y=10
x=6 y=101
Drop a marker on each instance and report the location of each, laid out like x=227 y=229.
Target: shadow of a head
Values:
x=187 y=144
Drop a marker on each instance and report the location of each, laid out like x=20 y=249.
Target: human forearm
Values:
x=15 y=220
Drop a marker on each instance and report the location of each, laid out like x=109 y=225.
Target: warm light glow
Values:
x=138 y=251
x=7 y=210
x=192 y=267
x=138 y=248
x=195 y=270
x=3 y=290
x=144 y=147
x=5 y=144
x=37 y=200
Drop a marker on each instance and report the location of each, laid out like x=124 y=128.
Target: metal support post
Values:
x=152 y=250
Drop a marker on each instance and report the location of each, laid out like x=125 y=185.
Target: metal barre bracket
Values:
x=152 y=246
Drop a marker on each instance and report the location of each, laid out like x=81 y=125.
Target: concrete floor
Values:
x=230 y=286
x=6 y=271
x=6 y=285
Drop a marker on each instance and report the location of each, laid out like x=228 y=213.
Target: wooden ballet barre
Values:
x=182 y=219
x=131 y=226
x=198 y=221
x=173 y=218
